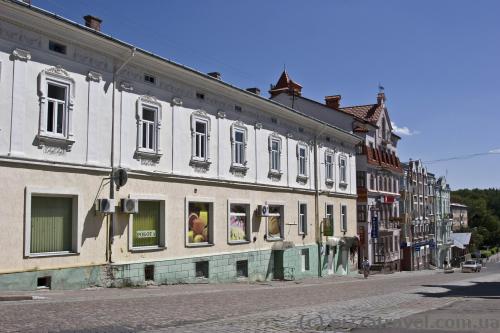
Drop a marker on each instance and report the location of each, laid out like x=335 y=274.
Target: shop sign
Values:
x=146 y=233
x=327 y=227
x=374 y=233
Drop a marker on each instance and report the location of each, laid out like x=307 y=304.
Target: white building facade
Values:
x=226 y=184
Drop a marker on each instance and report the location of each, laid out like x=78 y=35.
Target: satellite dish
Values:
x=120 y=177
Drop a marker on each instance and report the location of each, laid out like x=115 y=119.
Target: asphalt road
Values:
x=315 y=305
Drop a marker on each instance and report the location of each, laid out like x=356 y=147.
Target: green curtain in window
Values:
x=146 y=224
x=51 y=224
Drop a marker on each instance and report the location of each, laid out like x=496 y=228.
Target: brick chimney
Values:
x=92 y=22
x=254 y=90
x=215 y=75
x=380 y=98
x=333 y=102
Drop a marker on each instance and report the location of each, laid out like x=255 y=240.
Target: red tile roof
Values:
x=378 y=157
x=285 y=84
x=369 y=113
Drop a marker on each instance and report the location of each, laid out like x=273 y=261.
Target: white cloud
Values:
x=495 y=151
x=403 y=130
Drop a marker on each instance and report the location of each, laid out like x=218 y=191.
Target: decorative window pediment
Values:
x=56 y=95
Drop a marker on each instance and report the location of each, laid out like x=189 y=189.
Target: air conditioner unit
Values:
x=130 y=206
x=105 y=205
x=263 y=210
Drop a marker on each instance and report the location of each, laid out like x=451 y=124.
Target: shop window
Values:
x=146 y=225
x=51 y=224
x=201 y=269
x=242 y=268
x=199 y=224
x=302 y=219
x=239 y=223
x=275 y=223
x=304 y=254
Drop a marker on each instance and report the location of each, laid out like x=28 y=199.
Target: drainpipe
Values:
x=111 y=183
x=316 y=200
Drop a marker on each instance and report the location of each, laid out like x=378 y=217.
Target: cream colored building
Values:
x=204 y=160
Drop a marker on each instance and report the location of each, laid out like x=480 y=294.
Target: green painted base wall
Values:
x=262 y=266
x=67 y=278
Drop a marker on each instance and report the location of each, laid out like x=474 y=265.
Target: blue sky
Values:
x=439 y=61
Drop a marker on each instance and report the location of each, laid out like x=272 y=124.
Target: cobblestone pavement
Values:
x=314 y=305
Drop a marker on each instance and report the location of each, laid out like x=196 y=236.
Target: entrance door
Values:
x=342 y=261
x=329 y=256
x=278 y=265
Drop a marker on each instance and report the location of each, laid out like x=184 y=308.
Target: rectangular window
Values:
x=200 y=95
x=146 y=224
x=242 y=268
x=148 y=129
x=56 y=109
x=275 y=155
x=361 y=179
x=361 y=213
x=328 y=229
x=57 y=47
x=329 y=166
x=237 y=108
x=302 y=161
x=51 y=224
x=275 y=222
x=239 y=147
x=343 y=217
x=239 y=223
x=201 y=269
x=201 y=139
x=149 y=78
x=199 y=223
x=304 y=254
x=302 y=219
x=343 y=170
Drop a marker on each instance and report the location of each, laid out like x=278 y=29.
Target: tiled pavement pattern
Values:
x=309 y=306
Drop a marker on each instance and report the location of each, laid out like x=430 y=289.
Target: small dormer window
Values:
x=57 y=47
x=200 y=95
x=149 y=79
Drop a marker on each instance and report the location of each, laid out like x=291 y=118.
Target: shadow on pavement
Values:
x=486 y=290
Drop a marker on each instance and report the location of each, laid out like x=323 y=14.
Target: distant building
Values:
x=377 y=164
x=417 y=213
x=460 y=217
x=444 y=241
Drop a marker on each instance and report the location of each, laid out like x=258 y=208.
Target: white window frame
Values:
x=151 y=103
x=274 y=138
x=343 y=218
x=59 y=77
x=248 y=231
x=329 y=167
x=200 y=161
x=242 y=164
x=280 y=204
x=162 y=243
x=211 y=216
x=305 y=260
x=343 y=170
x=77 y=211
x=302 y=175
x=302 y=218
